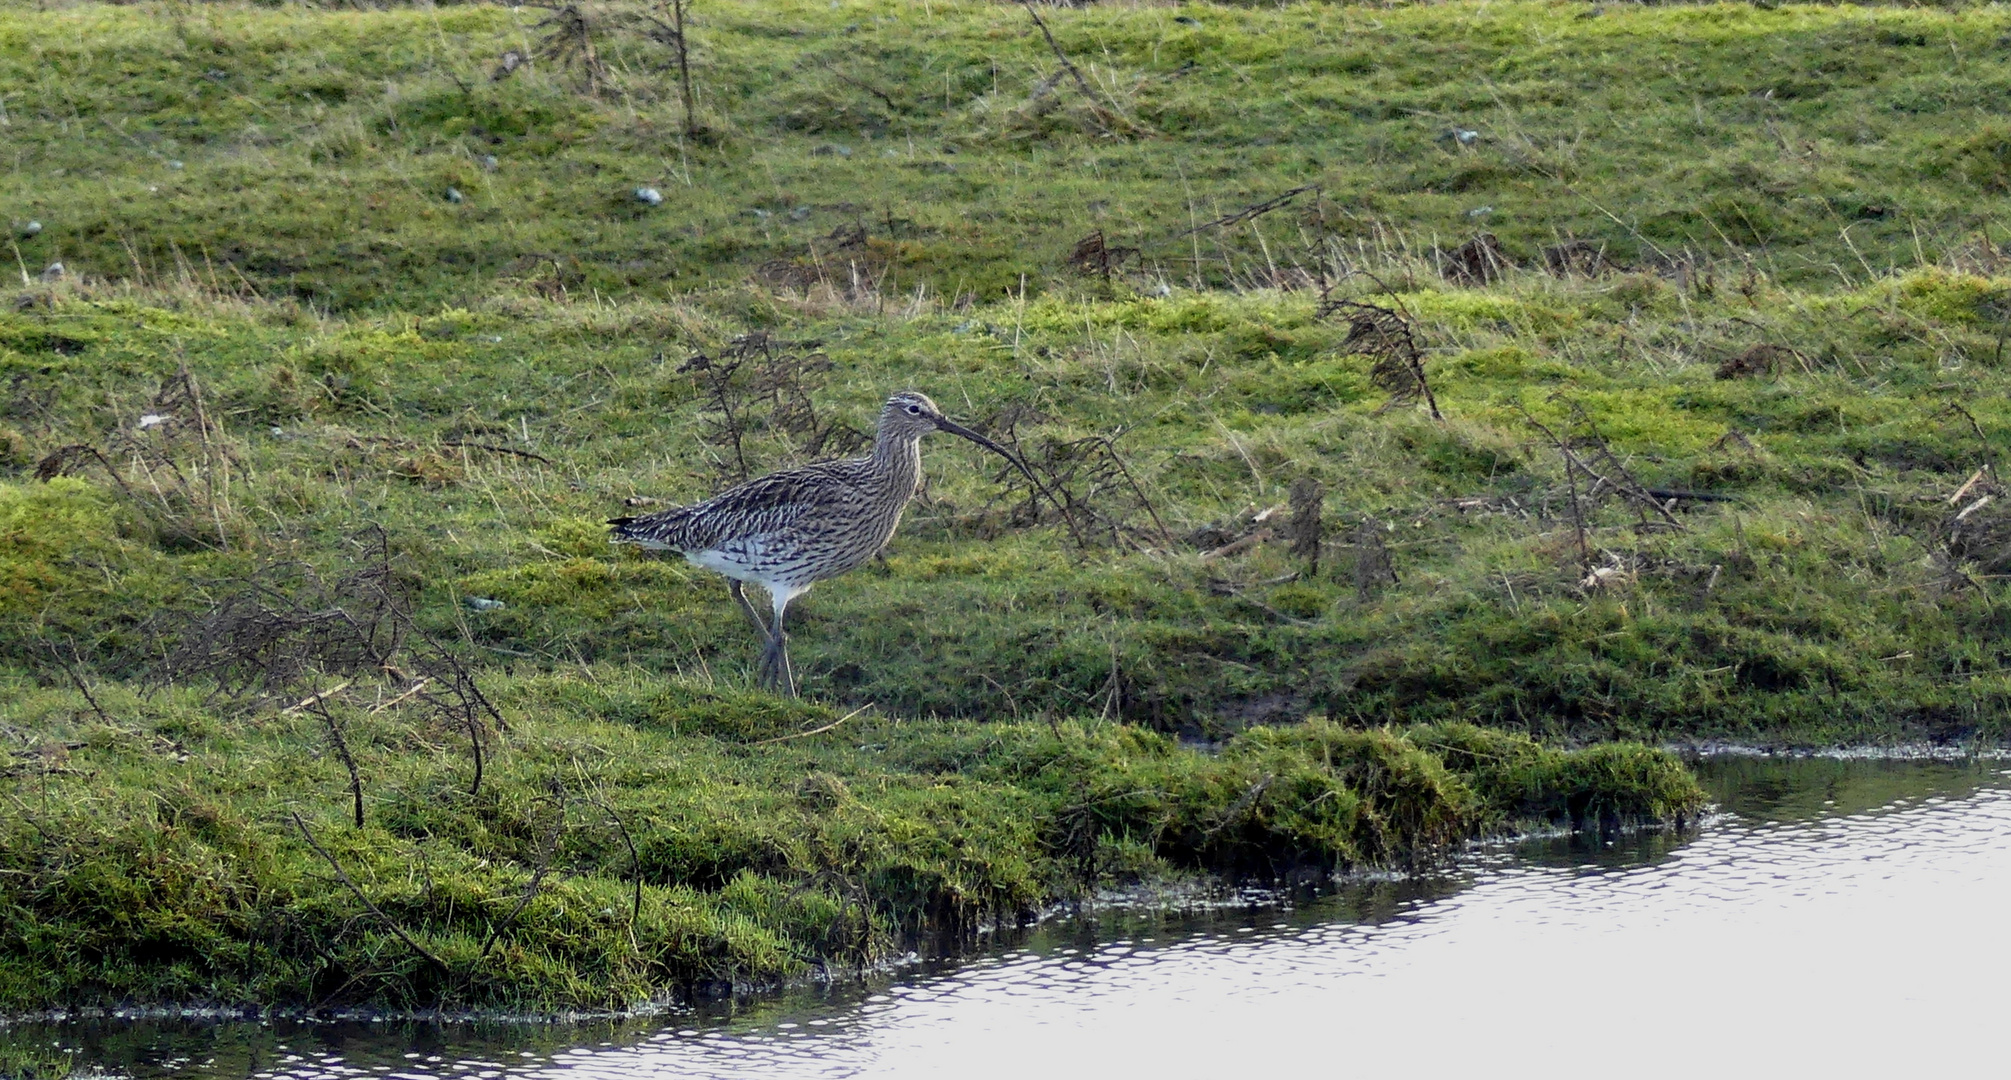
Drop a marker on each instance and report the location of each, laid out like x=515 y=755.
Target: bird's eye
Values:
x=914 y=410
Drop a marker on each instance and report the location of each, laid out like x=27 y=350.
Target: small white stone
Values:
x=152 y=420
x=53 y=272
x=454 y=195
x=649 y=195
x=31 y=229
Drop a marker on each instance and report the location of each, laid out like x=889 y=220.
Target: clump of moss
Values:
x=68 y=570
x=1521 y=780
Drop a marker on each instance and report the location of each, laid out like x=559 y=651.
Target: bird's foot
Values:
x=776 y=673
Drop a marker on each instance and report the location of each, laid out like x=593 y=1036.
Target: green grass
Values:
x=257 y=197
x=1821 y=143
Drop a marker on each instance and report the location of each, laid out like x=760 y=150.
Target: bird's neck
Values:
x=899 y=458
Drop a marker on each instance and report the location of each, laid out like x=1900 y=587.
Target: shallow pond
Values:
x=1837 y=916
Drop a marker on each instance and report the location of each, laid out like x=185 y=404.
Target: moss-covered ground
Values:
x=345 y=320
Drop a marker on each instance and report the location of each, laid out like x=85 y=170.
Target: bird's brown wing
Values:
x=764 y=505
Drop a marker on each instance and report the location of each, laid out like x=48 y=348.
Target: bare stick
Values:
x=1626 y=484
x=861 y=84
x=400 y=699
x=343 y=876
x=315 y=698
x=474 y=749
x=1232 y=591
x=1237 y=547
x=531 y=888
x=1165 y=538
x=1956 y=408
x=494 y=449
x=1058 y=54
x=634 y=860
x=812 y=731
x=1252 y=211
x=1080 y=82
x=77 y=679
x=348 y=759
x=684 y=67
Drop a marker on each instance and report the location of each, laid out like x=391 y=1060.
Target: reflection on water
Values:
x=1842 y=916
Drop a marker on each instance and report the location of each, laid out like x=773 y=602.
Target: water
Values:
x=1839 y=917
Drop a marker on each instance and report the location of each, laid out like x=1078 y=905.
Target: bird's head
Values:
x=911 y=415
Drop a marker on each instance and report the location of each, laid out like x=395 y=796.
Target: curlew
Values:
x=791 y=529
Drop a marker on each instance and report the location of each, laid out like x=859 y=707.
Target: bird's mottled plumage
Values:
x=791 y=529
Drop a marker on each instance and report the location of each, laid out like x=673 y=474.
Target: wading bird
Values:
x=791 y=529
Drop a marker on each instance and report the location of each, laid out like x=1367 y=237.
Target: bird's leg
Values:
x=786 y=674
x=769 y=674
x=764 y=675
x=733 y=586
x=778 y=643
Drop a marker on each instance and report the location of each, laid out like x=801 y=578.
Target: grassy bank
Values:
x=354 y=346
x=635 y=838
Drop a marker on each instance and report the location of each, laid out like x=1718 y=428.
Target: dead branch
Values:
x=401 y=698
x=1388 y=338
x=1586 y=449
x=1241 y=806
x=78 y=680
x=494 y=449
x=343 y=876
x=1080 y=82
x=1478 y=261
x=1989 y=456
x=1230 y=589
x=1093 y=255
x=885 y=98
x=569 y=38
x=813 y=731
x=1581 y=257
x=1238 y=546
x=551 y=846
x=634 y=858
x=1075 y=477
x=315 y=698
x=341 y=744
x=1254 y=210
x=762 y=382
x=672 y=33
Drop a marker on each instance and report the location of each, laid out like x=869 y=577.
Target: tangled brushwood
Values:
x=1388 y=337
x=760 y=386
x=1086 y=483
x=289 y=627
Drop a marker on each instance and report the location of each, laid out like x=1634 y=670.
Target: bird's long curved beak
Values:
x=955 y=428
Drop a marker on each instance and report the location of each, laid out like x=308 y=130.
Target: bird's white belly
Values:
x=745 y=560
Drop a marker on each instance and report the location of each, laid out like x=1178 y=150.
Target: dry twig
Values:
x=343 y=876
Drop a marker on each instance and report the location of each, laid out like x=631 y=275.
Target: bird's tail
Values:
x=649 y=531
